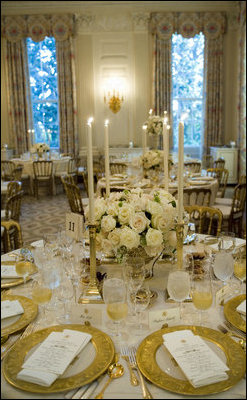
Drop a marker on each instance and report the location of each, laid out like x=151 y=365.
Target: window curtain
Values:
x=212 y=25
x=242 y=88
x=15 y=29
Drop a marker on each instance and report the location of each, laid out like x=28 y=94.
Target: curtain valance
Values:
x=212 y=24
x=15 y=28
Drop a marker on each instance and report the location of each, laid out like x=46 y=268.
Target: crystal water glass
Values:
x=178 y=286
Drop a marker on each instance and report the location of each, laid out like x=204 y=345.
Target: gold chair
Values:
x=194 y=166
x=233 y=214
x=215 y=173
x=85 y=181
x=72 y=169
x=67 y=155
x=13 y=208
x=219 y=163
x=43 y=174
x=11 y=235
x=13 y=188
x=112 y=189
x=242 y=179
x=224 y=174
x=199 y=196
x=207 y=161
x=66 y=178
x=118 y=168
x=74 y=198
x=208 y=220
x=17 y=172
x=7 y=169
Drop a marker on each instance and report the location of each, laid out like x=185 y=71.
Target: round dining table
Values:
x=96 y=313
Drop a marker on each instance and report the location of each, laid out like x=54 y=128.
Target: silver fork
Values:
x=233 y=328
x=132 y=356
x=29 y=329
x=125 y=355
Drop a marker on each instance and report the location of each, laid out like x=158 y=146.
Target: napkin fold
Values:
x=38 y=243
x=9 y=271
x=53 y=356
x=197 y=360
x=242 y=308
x=10 y=308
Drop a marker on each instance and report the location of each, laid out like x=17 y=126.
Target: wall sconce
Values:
x=114 y=93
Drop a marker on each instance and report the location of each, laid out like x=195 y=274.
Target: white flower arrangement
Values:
x=152 y=159
x=131 y=220
x=40 y=148
x=154 y=125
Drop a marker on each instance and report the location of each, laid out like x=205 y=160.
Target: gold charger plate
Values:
x=10 y=282
x=102 y=343
x=30 y=312
x=232 y=315
x=235 y=359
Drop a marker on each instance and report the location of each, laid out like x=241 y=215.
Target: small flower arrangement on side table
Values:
x=40 y=148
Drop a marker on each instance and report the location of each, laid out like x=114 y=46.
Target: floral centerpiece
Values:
x=152 y=159
x=132 y=221
x=40 y=149
x=154 y=125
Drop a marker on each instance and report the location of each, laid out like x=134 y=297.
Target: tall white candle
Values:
x=90 y=171
x=144 y=139
x=150 y=112
x=165 y=151
x=107 y=165
x=180 y=170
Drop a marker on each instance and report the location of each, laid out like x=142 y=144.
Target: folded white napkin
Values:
x=196 y=359
x=38 y=243
x=8 y=271
x=242 y=308
x=53 y=356
x=9 y=308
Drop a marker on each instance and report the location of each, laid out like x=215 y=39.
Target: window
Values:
x=187 y=90
x=44 y=92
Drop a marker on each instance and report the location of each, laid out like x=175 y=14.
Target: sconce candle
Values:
x=166 y=151
x=90 y=170
x=107 y=167
x=144 y=136
x=180 y=171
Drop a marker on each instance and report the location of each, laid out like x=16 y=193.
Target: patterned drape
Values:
x=62 y=27
x=162 y=26
x=242 y=88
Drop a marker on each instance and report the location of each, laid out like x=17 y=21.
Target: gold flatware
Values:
x=29 y=329
x=234 y=329
x=145 y=392
x=115 y=371
x=4 y=339
x=242 y=341
x=133 y=378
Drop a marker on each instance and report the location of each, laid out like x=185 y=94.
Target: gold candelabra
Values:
x=92 y=294
x=180 y=241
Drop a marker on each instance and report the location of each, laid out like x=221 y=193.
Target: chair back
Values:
x=74 y=198
x=112 y=189
x=72 y=168
x=242 y=179
x=13 y=207
x=224 y=174
x=219 y=163
x=17 y=172
x=239 y=197
x=194 y=166
x=13 y=188
x=207 y=161
x=118 y=168
x=42 y=169
x=7 y=168
x=85 y=181
x=208 y=220
x=199 y=196
x=12 y=236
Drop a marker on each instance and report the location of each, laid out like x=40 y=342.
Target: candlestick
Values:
x=90 y=170
x=166 y=151
x=180 y=171
x=144 y=139
x=107 y=166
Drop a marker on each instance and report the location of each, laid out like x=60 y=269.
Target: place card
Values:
x=158 y=318
x=74 y=225
x=222 y=294
x=9 y=271
x=9 y=308
x=197 y=360
x=87 y=313
x=242 y=308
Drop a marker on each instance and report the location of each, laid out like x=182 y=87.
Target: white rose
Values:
x=153 y=207
x=154 y=237
x=107 y=246
x=129 y=238
x=108 y=223
x=114 y=237
x=124 y=213
x=99 y=208
x=112 y=209
x=172 y=239
x=114 y=196
x=98 y=241
x=139 y=222
x=162 y=222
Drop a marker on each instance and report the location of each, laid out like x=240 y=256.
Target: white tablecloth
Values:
x=121 y=388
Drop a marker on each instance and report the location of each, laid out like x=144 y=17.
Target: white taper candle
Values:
x=107 y=165
x=144 y=139
x=165 y=151
x=180 y=170
x=90 y=171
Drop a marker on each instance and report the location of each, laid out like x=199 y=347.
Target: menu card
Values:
x=8 y=271
x=53 y=356
x=242 y=308
x=196 y=359
x=9 y=308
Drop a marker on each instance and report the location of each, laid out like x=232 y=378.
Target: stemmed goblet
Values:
x=178 y=286
x=202 y=295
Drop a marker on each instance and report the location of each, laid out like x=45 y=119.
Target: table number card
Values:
x=87 y=313
x=158 y=318
x=74 y=225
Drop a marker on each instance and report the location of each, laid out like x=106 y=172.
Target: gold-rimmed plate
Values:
x=232 y=315
x=10 y=282
x=156 y=364
x=81 y=372
x=18 y=322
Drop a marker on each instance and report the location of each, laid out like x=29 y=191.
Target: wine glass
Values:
x=114 y=295
x=202 y=294
x=41 y=295
x=24 y=269
x=240 y=267
x=178 y=286
x=134 y=272
x=223 y=265
x=65 y=296
x=141 y=302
